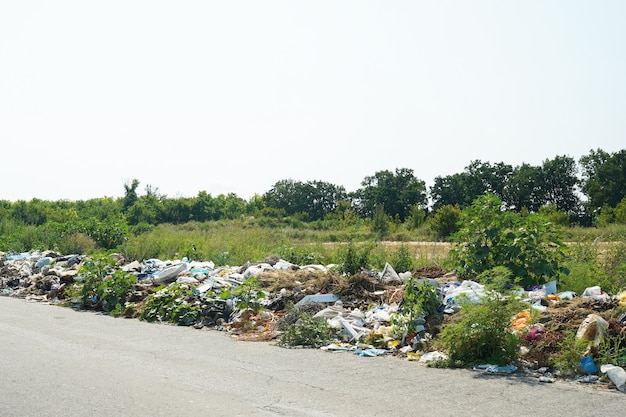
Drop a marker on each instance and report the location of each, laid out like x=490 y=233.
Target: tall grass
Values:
x=231 y=243
x=595 y=264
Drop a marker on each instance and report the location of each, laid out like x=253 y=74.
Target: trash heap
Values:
x=365 y=313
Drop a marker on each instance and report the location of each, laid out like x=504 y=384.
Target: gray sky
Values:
x=233 y=96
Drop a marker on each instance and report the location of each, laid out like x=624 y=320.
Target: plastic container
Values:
x=589 y=365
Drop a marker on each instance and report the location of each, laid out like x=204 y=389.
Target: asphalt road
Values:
x=59 y=362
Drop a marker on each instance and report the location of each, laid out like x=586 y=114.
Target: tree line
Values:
x=586 y=191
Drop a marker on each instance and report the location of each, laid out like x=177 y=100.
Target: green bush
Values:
x=306 y=331
x=421 y=299
x=445 y=221
x=589 y=267
x=483 y=335
x=416 y=218
x=355 y=258
x=380 y=222
x=248 y=295
x=175 y=304
x=571 y=350
x=529 y=246
x=100 y=285
x=612 y=348
x=77 y=243
x=403 y=259
x=499 y=278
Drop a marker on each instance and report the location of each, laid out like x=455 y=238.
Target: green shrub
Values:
x=528 y=245
x=499 y=278
x=307 y=331
x=403 y=260
x=175 y=304
x=77 y=243
x=483 y=334
x=571 y=350
x=355 y=258
x=100 y=285
x=588 y=268
x=612 y=349
x=445 y=221
x=248 y=295
x=304 y=255
x=421 y=299
x=417 y=217
x=380 y=222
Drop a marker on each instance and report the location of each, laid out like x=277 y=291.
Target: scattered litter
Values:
x=318 y=298
x=588 y=365
x=433 y=357
x=370 y=352
x=496 y=369
x=588 y=379
x=360 y=311
x=592 y=329
x=389 y=275
x=617 y=375
x=595 y=292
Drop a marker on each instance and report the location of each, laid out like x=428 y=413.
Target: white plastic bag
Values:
x=617 y=375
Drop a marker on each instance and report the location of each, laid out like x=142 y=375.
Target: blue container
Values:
x=589 y=365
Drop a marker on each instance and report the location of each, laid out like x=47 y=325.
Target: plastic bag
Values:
x=617 y=375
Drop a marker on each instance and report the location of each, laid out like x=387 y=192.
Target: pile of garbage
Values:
x=256 y=301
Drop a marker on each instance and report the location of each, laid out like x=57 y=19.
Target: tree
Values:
x=380 y=222
x=311 y=199
x=445 y=221
x=620 y=212
x=604 y=178
x=176 y=210
x=524 y=189
x=417 y=217
x=33 y=212
x=559 y=183
x=477 y=179
x=450 y=190
x=130 y=194
x=398 y=192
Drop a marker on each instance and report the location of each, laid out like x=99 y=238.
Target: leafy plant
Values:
x=416 y=218
x=380 y=222
x=355 y=258
x=571 y=351
x=99 y=285
x=176 y=304
x=499 y=278
x=612 y=348
x=403 y=260
x=484 y=332
x=248 y=295
x=421 y=299
x=306 y=331
x=445 y=221
x=528 y=245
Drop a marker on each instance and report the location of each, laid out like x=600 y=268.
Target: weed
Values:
x=421 y=299
x=100 y=286
x=612 y=348
x=248 y=295
x=356 y=258
x=306 y=331
x=571 y=351
x=403 y=260
x=176 y=304
x=483 y=333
